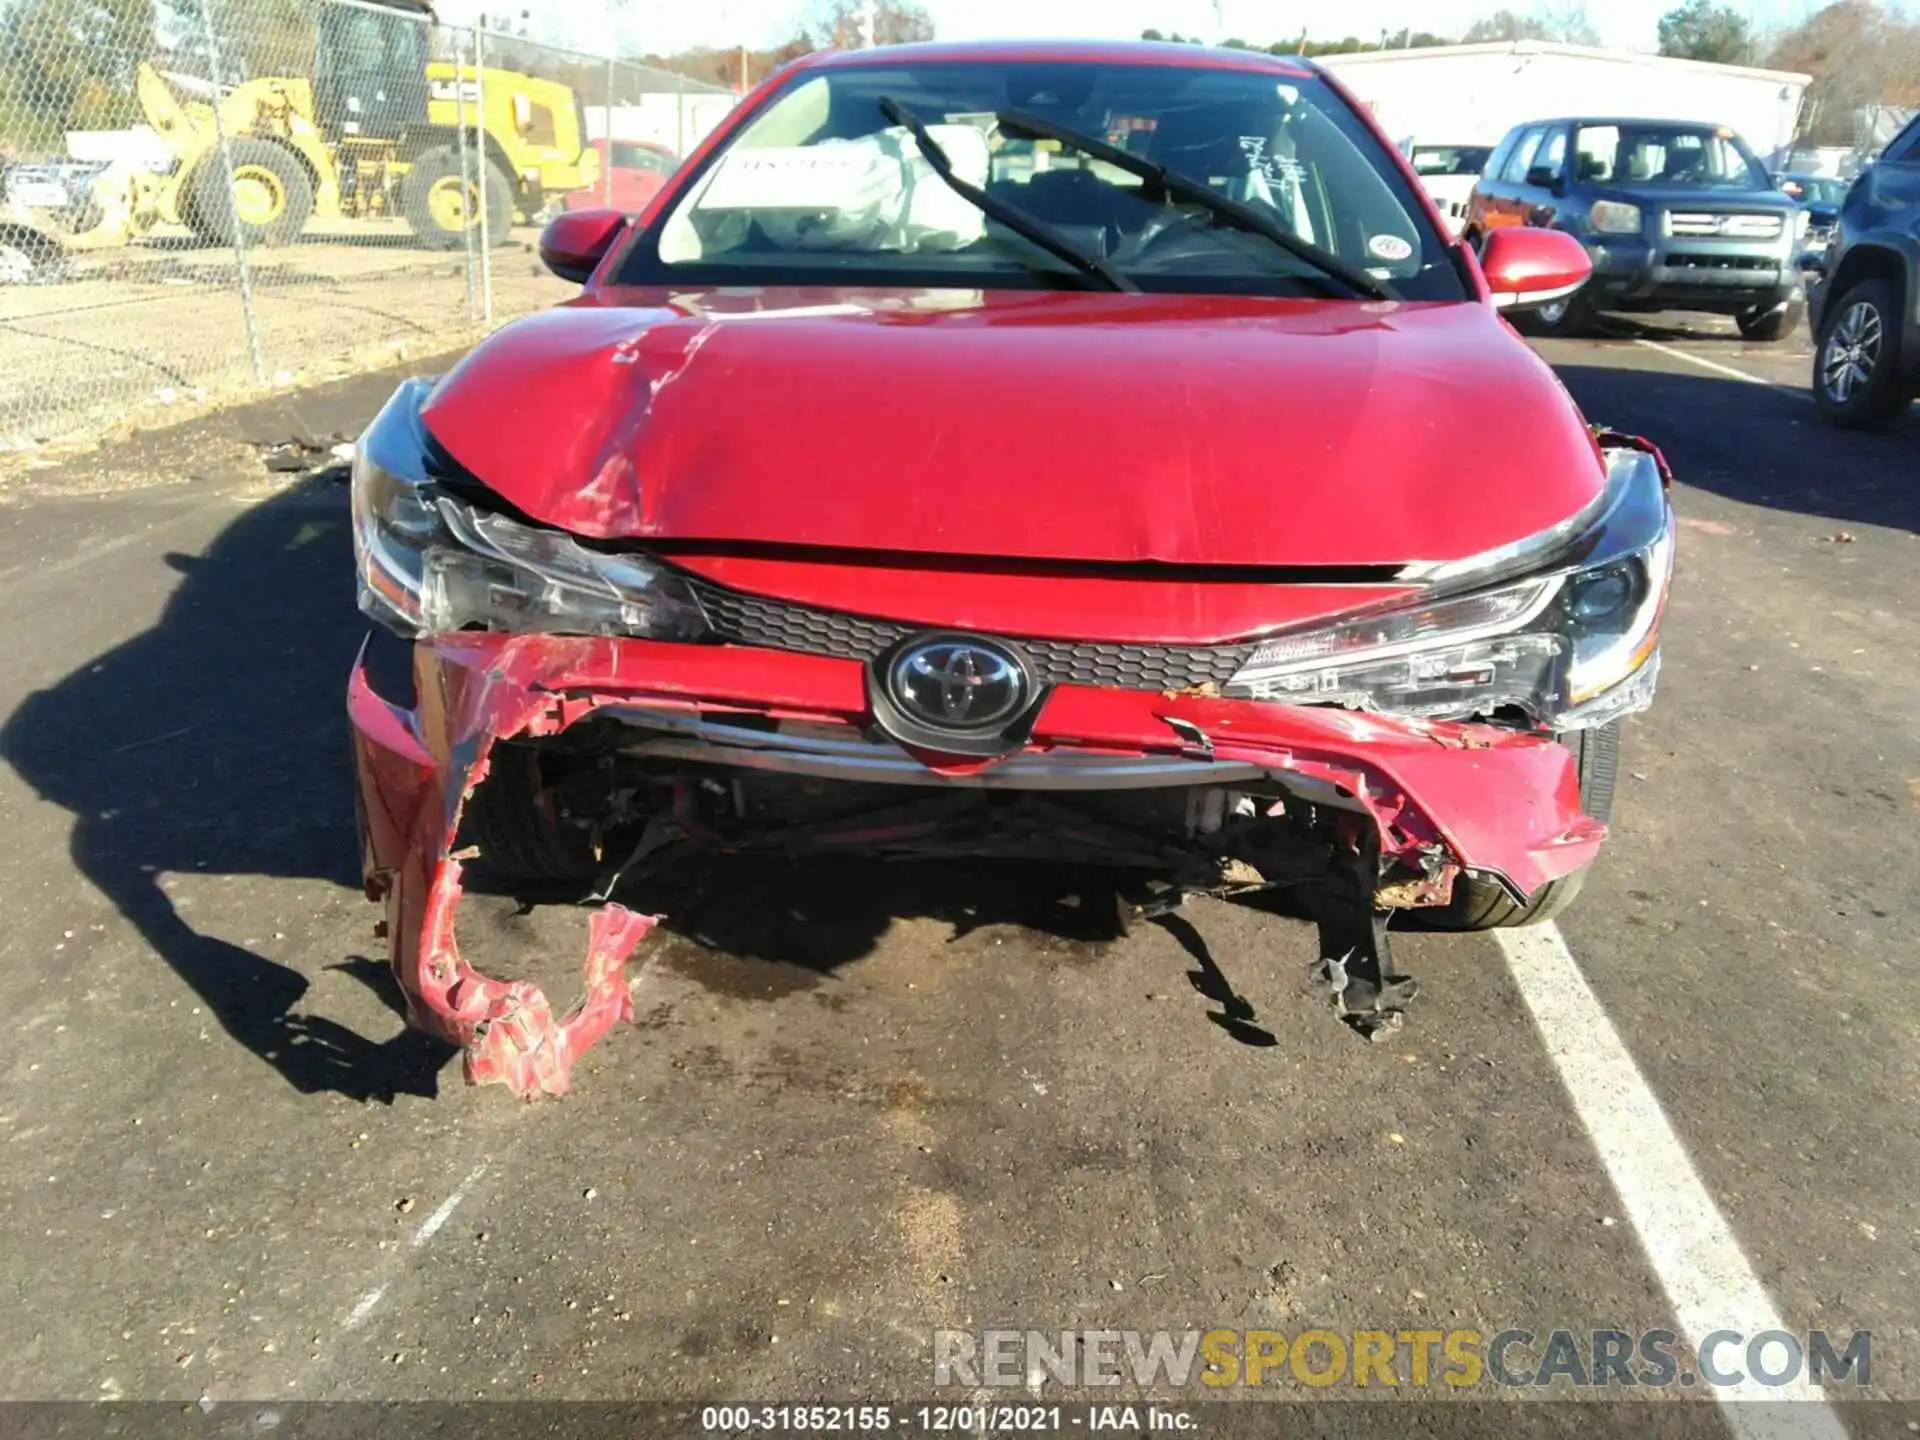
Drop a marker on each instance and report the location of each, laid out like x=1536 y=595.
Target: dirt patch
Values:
x=157 y=333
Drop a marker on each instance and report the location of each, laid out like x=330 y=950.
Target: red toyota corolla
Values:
x=1083 y=452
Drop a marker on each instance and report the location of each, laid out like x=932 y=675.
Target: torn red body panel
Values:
x=416 y=770
x=1511 y=800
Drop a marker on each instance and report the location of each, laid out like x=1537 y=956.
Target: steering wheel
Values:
x=1158 y=232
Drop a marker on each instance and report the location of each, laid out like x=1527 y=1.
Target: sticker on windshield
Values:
x=1275 y=169
x=1389 y=247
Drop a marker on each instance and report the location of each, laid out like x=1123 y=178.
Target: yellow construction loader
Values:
x=378 y=131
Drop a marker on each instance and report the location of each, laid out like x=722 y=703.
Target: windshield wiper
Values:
x=1015 y=219
x=1224 y=209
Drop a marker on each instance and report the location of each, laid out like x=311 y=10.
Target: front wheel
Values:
x=442 y=204
x=1856 y=367
x=269 y=201
x=1770 y=325
x=1571 y=316
x=1481 y=904
x=512 y=820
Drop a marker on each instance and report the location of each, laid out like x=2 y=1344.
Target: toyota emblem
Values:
x=952 y=683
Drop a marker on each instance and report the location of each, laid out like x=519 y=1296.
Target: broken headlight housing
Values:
x=431 y=564
x=1563 y=626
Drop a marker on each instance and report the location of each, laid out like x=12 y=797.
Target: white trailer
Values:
x=1474 y=94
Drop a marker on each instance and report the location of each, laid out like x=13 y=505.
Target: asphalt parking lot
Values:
x=863 y=1104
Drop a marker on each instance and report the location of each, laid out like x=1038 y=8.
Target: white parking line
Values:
x=1706 y=1275
x=1727 y=370
x=429 y=1227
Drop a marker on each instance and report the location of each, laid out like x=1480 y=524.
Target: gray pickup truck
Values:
x=1676 y=216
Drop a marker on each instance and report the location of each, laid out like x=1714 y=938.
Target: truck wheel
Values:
x=1571 y=316
x=442 y=206
x=1857 y=364
x=272 y=195
x=1480 y=904
x=513 y=823
x=30 y=257
x=1770 y=325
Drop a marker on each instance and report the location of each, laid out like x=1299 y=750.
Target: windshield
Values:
x=1450 y=159
x=629 y=156
x=820 y=187
x=1667 y=155
x=1815 y=189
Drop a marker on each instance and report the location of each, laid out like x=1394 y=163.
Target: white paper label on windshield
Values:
x=1389 y=247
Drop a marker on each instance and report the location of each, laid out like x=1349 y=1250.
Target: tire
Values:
x=1857 y=381
x=515 y=828
x=1480 y=904
x=431 y=199
x=1561 y=318
x=271 y=190
x=1768 y=327
x=29 y=257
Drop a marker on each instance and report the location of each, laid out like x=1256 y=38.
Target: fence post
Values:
x=241 y=265
x=466 y=173
x=486 y=168
x=606 y=132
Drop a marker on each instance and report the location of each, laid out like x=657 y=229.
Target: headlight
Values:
x=1802 y=223
x=1572 y=644
x=430 y=563
x=1614 y=217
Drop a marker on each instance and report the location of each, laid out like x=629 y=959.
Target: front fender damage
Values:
x=416 y=772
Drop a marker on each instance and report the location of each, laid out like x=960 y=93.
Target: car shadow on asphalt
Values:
x=1236 y=1013
x=213 y=744
x=1757 y=445
x=1693 y=330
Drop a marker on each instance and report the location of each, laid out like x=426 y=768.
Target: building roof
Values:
x=1431 y=53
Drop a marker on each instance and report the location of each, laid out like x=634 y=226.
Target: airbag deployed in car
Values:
x=874 y=193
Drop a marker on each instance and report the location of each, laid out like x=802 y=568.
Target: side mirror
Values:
x=1544 y=177
x=1528 y=267
x=573 y=244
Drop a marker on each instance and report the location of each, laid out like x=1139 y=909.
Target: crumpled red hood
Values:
x=1042 y=426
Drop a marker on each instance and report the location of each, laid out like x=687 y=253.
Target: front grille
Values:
x=1699 y=223
x=780 y=625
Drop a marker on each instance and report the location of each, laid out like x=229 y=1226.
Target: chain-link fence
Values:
x=201 y=197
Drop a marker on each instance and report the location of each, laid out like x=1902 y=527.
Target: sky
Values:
x=663 y=26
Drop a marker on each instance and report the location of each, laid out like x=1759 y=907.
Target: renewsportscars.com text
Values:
x=1398 y=1359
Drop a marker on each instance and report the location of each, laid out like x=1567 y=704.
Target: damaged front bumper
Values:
x=1429 y=799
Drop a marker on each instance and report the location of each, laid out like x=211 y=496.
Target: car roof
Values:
x=1624 y=121
x=1091 y=52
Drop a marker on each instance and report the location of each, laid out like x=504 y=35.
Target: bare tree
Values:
x=840 y=23
x=1859 y=56
x=1567 y=24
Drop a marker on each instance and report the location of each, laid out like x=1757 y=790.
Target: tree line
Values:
x=1860 y=53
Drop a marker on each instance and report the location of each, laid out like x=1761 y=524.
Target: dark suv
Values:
x=1676 y=216
x=1867 y=304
